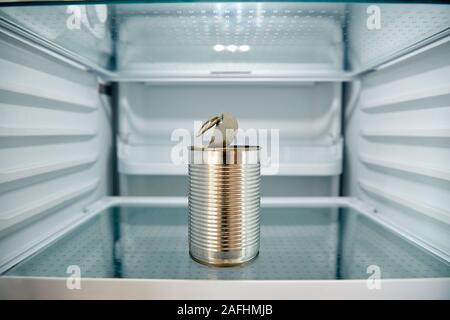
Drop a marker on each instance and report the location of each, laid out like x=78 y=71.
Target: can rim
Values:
x=227 y=148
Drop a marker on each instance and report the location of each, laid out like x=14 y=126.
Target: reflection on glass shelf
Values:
x=267 y=39
x=296 y=244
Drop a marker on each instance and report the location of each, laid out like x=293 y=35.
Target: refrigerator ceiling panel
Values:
x=216 y=39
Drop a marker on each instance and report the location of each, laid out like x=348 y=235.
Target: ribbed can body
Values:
x=224 y=201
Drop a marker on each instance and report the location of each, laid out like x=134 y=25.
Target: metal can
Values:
x=224 y=202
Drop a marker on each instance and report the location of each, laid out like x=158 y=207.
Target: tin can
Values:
x=224 y=203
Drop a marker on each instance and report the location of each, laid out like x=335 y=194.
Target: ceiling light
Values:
x=219 y=47
x=232 y=48
x=244 y=48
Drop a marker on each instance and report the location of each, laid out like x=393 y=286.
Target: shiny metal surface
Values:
x=224 y=201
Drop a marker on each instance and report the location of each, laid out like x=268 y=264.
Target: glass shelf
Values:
x=298 y=242
x=138 y=41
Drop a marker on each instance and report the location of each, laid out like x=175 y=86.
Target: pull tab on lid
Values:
x=225 y=127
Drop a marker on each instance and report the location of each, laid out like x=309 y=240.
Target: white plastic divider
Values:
x=408 y=133
x=415 y=168
x=404 y=200
x=19 y=83
x=315 y=160
x=267 y=202
x=37 y=169
x=391 y=102
x=35 y=208
x=44 y=132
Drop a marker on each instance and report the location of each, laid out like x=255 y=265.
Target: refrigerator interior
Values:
x=93 y=98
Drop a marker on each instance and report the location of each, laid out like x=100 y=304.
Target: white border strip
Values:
x=98 y=288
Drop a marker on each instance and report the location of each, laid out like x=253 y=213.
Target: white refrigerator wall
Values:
x=55 y=146
x=397 y=147
x=307 y=117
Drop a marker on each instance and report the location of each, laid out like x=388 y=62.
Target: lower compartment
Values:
x=305 y=242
